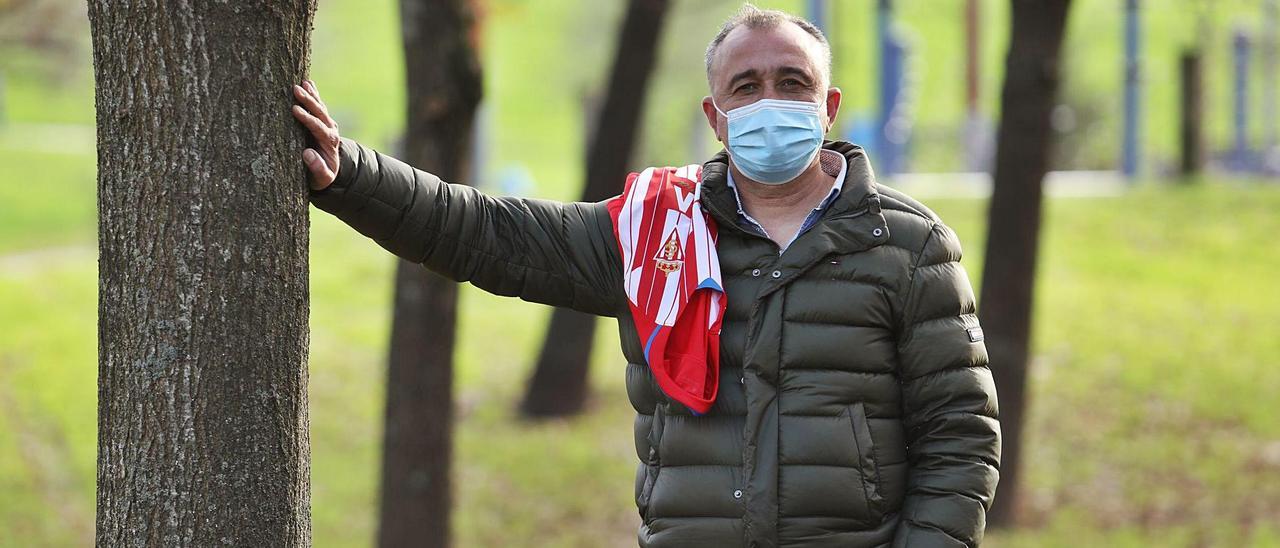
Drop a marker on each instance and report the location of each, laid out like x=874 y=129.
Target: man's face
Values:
x=783 y=62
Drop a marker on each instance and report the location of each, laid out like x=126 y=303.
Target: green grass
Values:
x=1155 y=347
x=48 y=198
x=1155 y=355
x=1154 y=368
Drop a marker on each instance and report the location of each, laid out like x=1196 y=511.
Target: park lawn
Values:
x=1153 y=375
x=1155 y=360
x=47 y=198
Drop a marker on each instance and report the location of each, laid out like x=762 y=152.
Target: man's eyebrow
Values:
x=794 y=71
x=749 y=73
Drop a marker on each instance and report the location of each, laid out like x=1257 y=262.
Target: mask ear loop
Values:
x=726 y=120
x=717 y=107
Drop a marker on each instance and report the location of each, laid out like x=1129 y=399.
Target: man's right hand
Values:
x=322 y=161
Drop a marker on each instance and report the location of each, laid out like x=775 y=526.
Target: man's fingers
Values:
x=329 y=158
x=321 y=175
x=315 y=92
x=322 y=161
x=310 y=88
x=313 y=106
x=318 y=129
x=315 y=161
x=311 y=158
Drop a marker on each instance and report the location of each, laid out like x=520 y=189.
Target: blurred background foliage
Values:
x=1153 y=388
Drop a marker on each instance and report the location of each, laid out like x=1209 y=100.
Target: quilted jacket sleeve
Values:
x=555 y=253
x=949 y=402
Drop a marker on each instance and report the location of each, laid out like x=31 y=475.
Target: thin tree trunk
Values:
x=444 y=91
x=1191 y=109
x=559 y=383
x=202 y=274
x=1013 y=222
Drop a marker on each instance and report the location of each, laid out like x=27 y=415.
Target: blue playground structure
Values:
x=887 y=132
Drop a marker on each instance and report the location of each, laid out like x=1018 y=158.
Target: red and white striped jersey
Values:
x=672 y=278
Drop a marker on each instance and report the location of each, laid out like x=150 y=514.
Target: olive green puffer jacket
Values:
x=855 y=406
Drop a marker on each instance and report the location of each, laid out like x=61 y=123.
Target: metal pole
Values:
x=971 y=59
x=1240 y=152
x=1271 y=24
x=975 y=136
x=1132 y=69
x=818 y=15
x=887 y=91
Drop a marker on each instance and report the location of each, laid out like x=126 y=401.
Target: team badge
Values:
x=671 y=255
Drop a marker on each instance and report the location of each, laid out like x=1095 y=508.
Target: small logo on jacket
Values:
x=975 y=334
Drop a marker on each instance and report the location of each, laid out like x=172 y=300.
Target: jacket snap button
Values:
x=755 y=272
x=742 y=380
x=777 y=274
x=737 y=493
x=877 y=232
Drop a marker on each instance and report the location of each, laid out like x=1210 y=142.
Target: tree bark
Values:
x=444 y=90
x=1013 y=222
x=202 y=274
x=559 y=383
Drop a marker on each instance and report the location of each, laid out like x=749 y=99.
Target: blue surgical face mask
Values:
x=772 y=141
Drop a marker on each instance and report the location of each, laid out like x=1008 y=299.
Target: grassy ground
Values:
x=1155 y=361
x=1154 y=369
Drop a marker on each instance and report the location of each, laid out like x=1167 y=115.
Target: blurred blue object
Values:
x=894 y=121
x=1132 y=80
x=516 y=180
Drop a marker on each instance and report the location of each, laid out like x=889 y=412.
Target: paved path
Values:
x=1058 y=184
x=32 y=261
x=55 y=138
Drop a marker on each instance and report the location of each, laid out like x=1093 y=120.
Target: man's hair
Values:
x=756 y=18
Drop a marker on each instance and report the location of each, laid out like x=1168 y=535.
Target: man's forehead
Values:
x=766 y=49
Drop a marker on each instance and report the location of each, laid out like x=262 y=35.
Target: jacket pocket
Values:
x=866 y=459
x=653 y=465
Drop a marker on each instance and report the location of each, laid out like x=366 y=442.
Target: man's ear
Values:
x=833 y=106
x=709 y=110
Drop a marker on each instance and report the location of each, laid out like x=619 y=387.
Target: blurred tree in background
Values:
x=559 y=383
x=1013 y=221
x=444 y=88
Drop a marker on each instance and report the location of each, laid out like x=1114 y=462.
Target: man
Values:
x=853 y=404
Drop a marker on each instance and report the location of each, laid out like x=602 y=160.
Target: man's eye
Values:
x=745 y=88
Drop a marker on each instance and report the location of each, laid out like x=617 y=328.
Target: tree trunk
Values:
x=1191 y=109
x=1013 y=222
x=559 y=383
x=202 y=274
x=444 y=89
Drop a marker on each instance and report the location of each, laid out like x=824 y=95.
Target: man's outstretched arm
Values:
x=555 y=253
